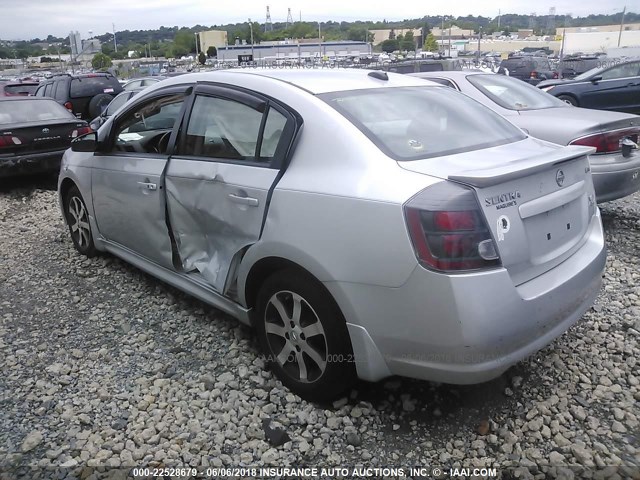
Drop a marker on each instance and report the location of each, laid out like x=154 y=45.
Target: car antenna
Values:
x=379 y=75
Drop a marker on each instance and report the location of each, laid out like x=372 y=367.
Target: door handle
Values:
x=148 y=185
x=252 y=202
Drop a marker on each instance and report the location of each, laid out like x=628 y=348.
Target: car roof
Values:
x=450 y=73
x=315 y=81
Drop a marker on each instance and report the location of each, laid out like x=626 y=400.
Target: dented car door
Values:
x=229 y=156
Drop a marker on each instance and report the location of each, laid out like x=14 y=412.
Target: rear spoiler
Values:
x=528 y=166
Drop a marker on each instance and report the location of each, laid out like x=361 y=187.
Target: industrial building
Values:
x=293 y=49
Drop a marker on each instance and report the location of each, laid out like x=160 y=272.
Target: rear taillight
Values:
x=9 y=141
x=609 y=141
x=555 y=75
x=78 y=132
x=68 y=106
x=448 y=230
x=534 y=74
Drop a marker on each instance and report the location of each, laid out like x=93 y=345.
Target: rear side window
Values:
x=411 y=123
x=91 y=86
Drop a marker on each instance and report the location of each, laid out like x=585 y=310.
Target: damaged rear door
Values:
x=231 y=151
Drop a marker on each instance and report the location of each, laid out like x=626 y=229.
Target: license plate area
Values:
x=556 y=231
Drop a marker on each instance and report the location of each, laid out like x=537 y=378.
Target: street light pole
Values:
x=320 y=40
x=196 y=35
x=622 y=25
x=115 y=43
x=479 y=37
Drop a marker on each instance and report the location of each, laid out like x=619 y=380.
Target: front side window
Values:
x=513 y=94
x=148 y=127
x=116 y=103
x=411 y=123
x=227 y=129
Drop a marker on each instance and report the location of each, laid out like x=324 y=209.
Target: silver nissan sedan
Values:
x=616 y=162
x=365 y=224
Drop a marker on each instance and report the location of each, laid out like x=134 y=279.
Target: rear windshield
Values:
x=513 y=94
x=90 y=86
x=531 y=63
x=411 y=123
x=32 y=111
x=21 y=89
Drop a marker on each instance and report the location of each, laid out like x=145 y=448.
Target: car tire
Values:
x=304 y=336
x=77 y=217
x=98 y=104
x=568 y=99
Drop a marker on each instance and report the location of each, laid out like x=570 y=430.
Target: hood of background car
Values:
x=564 y=124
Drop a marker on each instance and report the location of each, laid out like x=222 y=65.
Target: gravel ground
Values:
x=103 y=365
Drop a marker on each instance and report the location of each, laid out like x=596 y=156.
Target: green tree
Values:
x=408 y=42
x=101 y=61
x=202 y=58
x=430 y=44
x=390 y=45
x=212 y=51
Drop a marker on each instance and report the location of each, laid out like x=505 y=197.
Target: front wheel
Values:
x=304 y=336
x=78 y=222
x=568 y=99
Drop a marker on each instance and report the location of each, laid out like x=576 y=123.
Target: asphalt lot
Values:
x=103 y=365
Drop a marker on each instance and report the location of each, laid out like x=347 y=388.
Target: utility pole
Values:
x=449 y=39
x=251 y=28
x=320 y=40
x=479 y=37
x=115 y=43
x=622 y=24
x=196 y=34
x=499 y=14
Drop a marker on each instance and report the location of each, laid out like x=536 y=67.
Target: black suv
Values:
x=531 y=69
x=86 y=95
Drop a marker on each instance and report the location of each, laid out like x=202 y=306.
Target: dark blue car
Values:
x=612 y=86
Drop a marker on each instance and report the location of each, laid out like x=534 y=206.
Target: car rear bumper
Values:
x=30 y=163
x=615 y=176
x=467 y=328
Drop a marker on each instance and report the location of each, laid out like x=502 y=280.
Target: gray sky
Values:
x=26 y=19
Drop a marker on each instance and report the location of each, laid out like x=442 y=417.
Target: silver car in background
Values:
x=366 y=224
x=615 y=164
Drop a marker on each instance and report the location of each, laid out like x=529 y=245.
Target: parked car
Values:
x=84 y=95
x=139 y=83
x=12 y=89
x=423 y=65
x=616 y=173
x=366 y=224
x=614 y=86
x=34 y=133
x=114 y=105
x=529 y=68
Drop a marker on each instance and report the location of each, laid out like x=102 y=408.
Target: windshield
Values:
x=35 y=111
x=513 y=94
x=411 y=123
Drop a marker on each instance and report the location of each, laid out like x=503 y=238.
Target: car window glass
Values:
x=32 y=111
x=621 y=71
x=148 y=127
x=513 y=94
x=221 y=128
x=134 y=84
x=47 y=89
x=90 y=86
x=411 y=123
x=273 y=129
x=441 y=81
x=116 y=103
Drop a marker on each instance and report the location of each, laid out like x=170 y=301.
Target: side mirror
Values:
x=85 y=143
x=596 y=79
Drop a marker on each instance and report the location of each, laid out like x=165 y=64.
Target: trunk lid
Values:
x=54 y=135
x=537 y=198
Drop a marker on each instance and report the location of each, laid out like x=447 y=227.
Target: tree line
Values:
x=178 y=41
